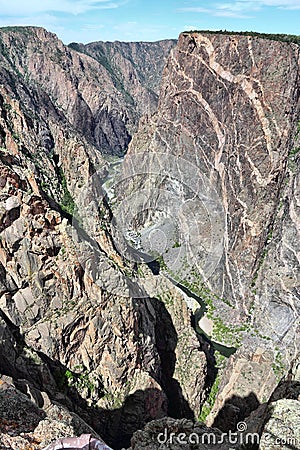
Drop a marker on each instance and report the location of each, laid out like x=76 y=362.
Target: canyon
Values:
x=149 y=238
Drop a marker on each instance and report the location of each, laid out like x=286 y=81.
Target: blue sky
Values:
x=137 y=20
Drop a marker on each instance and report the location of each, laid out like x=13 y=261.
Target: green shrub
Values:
x=67 y=202
x=208 y=405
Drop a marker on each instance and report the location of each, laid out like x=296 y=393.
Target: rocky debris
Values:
x=173 y=434
x=271 y=426
x=277 y=424
x=283 y=427
x=27 y=426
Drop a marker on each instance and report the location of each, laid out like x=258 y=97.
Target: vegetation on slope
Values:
x=290 y=38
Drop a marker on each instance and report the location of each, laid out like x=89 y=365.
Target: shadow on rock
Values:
x=34 y=372
x=17 y=413
x=235 y=410
x=166 y=341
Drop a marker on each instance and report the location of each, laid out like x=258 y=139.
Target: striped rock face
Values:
x=229 y=105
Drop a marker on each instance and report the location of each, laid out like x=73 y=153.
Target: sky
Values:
x=143 y=20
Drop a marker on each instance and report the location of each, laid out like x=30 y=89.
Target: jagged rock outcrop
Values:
x=283 y=427
x=178 y=434
x=31 y=424
x=229 y=105
x=109 y=345
x=271 y=425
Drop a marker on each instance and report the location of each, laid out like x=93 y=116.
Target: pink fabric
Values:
x=84 y=442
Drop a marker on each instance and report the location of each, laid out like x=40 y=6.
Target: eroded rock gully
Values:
x=100 y=343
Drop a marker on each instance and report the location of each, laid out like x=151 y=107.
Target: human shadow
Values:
x=235 y=410
x=116 y=425
x=288 y=389
x=166 y=341
x=238 y=409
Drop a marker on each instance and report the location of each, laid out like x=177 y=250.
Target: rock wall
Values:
x=88 y=90
x=136 y=68
x=229 y=105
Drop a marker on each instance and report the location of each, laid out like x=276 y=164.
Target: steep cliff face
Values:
x=88 y=90
x=229 y=105
x=76 y=326
x=135 y=67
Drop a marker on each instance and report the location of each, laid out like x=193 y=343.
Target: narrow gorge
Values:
x=149 y=239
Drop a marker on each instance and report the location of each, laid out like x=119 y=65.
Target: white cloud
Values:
x=42 y=20
x=218 y=11
x=195 y=9
x=239 y=6
x=257 y=4
x=289 y=4
x=190 y=27
x=18 y=8
x=242 y=8
x=232 y=15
